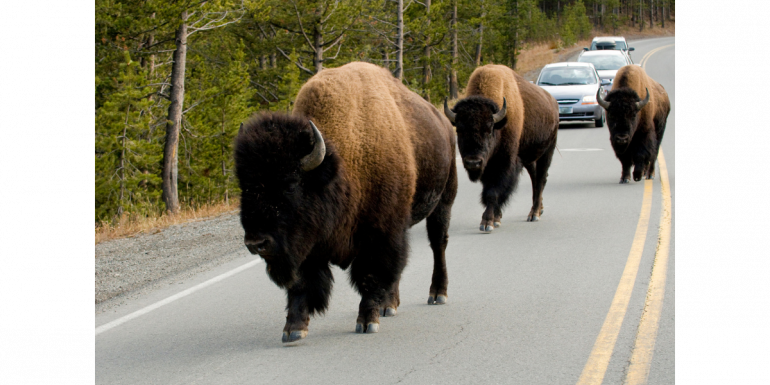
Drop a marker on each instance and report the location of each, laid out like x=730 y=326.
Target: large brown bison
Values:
x=495 y=143
x=636 y=125
x=340 y=181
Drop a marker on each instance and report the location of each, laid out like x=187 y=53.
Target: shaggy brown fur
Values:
x=636 y=134
x=390 y=163
x=525 y=138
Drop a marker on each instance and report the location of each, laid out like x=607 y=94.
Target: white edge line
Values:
x=185 y=293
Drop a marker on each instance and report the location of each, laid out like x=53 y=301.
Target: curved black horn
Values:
x=500 y=114
x=451 y=115
x=314 y=159
x=600 y=100
x=641 y=104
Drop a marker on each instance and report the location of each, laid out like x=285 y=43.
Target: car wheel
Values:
x=599 y=122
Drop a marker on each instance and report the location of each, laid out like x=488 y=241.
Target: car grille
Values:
x=578 y=114
x=567 y=101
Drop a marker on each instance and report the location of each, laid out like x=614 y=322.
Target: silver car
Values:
x=607 y=63
x=574 y=87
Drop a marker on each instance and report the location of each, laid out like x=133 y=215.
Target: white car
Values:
x=607 y=63
x=610 y=43
x=574 y=86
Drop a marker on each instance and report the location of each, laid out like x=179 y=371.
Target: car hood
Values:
x=571 y=92
x=607 y=74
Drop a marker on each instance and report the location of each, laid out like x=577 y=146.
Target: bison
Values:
x=636 y=126
x=340 y=181
x=495 y=143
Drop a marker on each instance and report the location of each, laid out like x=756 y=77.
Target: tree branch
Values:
x=299 y=65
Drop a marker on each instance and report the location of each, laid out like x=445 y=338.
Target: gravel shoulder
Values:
x=130 y=267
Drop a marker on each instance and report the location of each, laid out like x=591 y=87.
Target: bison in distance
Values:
x=496 y=142
x=636 y=126
x=340 y=181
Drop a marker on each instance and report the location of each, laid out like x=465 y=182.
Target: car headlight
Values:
x=589 y=99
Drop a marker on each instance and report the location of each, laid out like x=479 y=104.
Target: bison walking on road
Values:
x=636 y=125
x=340 y=181
x=496 y=142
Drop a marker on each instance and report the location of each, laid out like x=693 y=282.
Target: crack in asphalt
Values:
x=446 y=349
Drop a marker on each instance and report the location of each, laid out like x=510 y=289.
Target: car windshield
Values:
x=604 y=62
x=619 y=44
x=566 y=76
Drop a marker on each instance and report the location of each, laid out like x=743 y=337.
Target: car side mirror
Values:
x=532 y=82
x=630 y=48
x=606 y=82
x=585 y=48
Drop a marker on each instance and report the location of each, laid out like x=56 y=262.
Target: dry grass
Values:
x=133 y=225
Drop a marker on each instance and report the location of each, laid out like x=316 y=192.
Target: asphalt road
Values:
x=526 y=303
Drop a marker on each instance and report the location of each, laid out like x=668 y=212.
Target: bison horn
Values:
x=600 y=100
x=451 y=115
x=641 y=104
x=500 y=114
x=314 y=159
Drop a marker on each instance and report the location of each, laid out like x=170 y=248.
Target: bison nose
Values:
x=472 y=163
x=621 y=139
x=258 y=244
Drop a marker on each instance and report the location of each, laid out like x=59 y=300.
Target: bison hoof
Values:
x=388 y=312
x=293 y=336
x=371 y=328
x=650 y=177
x=624 y=181
x=437 y=300
x=486 y=228
x=533 y=218
x=498 y=224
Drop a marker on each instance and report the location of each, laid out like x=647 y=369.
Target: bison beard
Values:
x=352 y=208
x=636 y=125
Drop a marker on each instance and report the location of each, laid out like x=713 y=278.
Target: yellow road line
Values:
x=646 y=57
x=644 y=346
x=596 y=367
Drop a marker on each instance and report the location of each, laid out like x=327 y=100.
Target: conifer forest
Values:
x=174 y=79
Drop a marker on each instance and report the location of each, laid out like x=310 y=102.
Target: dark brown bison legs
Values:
x=308 y=296
x=625 y=175
x=438 y=226
x=375 y=273
x=494 y=196
x=538 y=173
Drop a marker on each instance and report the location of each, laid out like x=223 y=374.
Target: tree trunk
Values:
x=640 y=16
x=426 y=74
x=515 y=22
x=652 y=5
x=123 y=166
x=174 y=121
x=399 y=73
x=453 y=87
x=481 y=37
x=318 y=59
x=273 y=60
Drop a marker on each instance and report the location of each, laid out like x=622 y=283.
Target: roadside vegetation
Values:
x=175 y=79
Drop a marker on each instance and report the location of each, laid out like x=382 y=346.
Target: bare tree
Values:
x=206 y=18
x=453 y=86
x=322 y=30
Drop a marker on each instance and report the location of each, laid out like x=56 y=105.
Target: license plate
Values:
x=565 y=110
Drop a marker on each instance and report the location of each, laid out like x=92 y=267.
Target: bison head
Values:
x=286 y=172
x=623 y=106
x=478 y=121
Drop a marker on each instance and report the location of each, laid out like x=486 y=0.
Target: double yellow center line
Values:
x=644 y=345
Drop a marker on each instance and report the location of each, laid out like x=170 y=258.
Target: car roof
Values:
x=606 y=52
x=569 y=64
x=608 y=38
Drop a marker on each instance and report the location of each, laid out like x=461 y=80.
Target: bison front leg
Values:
x=493 y=196
x=306 y=297
x=376 y=274
x=625 y=175
x=438 y=226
